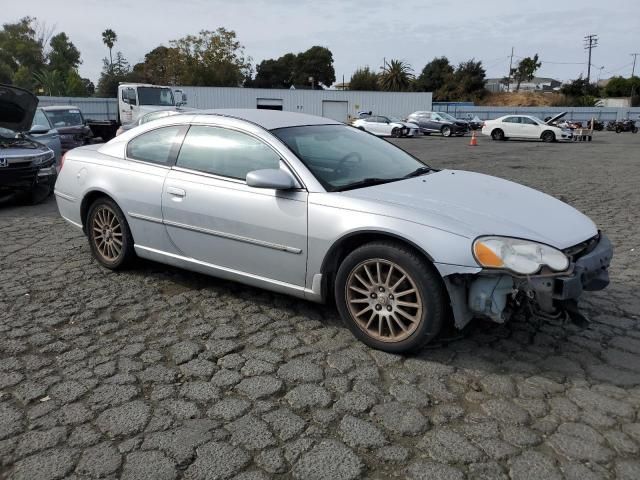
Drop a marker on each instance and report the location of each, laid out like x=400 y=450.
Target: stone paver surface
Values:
x=161 y=373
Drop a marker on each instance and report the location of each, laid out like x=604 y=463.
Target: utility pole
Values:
x=590 y=42
x=509 y=76
x=633 y=69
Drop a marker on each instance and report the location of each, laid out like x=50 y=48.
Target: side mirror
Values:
x=38 y=130
x=271 y=178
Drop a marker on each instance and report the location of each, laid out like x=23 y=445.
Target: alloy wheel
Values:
x=107 y=233
x=384 y=300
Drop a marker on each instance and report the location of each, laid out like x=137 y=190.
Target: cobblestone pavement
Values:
x=158 y=373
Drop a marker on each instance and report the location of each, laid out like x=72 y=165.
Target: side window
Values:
x=511 y=120
x=224 y=152
x=40 y=119
x=528 y=121
x=156 y=146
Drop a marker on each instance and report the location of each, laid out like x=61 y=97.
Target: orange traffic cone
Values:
x=474 y=140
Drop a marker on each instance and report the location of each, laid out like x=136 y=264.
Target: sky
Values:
x=361 y=32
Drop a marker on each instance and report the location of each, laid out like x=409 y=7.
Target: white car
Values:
x=387 y=126
x=525 y=126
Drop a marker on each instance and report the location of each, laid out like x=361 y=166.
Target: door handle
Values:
x=176 y=192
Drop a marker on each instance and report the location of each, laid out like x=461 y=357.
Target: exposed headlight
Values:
x=520 y=256
x=40 y=159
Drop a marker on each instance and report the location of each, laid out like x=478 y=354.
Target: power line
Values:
x=590 y=42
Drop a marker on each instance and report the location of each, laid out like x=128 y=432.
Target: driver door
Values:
x=213 y=216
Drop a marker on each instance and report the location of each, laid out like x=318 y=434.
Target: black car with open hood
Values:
x=25 y=165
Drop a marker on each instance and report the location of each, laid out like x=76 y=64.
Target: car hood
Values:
x=473 y=204
x=17 y=108
x=556 y=118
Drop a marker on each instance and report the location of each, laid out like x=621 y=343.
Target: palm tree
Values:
x=50 y=81
x=109 y=38
x=396 y=76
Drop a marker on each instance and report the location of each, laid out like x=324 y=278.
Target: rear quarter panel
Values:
x=136 y=187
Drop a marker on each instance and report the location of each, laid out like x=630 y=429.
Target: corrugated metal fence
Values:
x=91 y=107
x=203 y=97
x=580 y=114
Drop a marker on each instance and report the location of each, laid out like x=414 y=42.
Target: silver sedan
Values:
x=310 y=207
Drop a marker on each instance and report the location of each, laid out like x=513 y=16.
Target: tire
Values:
x=395 y=132
x=446 y=131
x=404 y=328
x=109 y=235
x=548 y=137
x=618 y=129
x=497 y=134
x=634 y=130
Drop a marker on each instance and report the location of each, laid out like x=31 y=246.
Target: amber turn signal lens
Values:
x=486 y=257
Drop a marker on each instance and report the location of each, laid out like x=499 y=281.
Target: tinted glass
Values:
x=511 y=120
x=40 y=119
x=528 y=121
x=65 y=118
x=155 y=146
x=339 y=155
x=155 y=96
x=225 y=152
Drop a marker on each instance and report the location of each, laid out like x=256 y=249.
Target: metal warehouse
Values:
x=335 y=104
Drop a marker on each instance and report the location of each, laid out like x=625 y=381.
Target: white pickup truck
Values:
x=135 y=100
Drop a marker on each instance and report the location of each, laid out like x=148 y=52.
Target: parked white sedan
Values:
x=387 y=126
x=524 y=126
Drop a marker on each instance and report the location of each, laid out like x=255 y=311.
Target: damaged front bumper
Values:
x=497 y=296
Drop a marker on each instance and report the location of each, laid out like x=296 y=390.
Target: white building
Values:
x=335 y=104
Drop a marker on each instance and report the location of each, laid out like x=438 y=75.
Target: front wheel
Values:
x=634 y=130
x=110 y=239
x=446 y=131
x=548 y=137
x=395 y=132
x=390 y=297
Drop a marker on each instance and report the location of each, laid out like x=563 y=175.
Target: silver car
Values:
x=314 y=208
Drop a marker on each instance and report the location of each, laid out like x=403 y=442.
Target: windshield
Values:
x=446 y=116
x=65 y=118
x=343 y=157
x=155 y=96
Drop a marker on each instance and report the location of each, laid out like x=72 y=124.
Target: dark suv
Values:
x=438 y=122
x=69 y=122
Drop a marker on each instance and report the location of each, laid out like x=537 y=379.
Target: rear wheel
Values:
x=497 y=134
x=390 y=297
x=109 y=235
x=635 y=130
x=548 y=137
x=446 y=131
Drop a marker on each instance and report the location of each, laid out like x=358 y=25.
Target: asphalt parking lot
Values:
x=158 y=373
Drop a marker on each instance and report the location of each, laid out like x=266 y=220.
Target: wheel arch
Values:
x=548 y=131
x=349 y=242
x=88 y=199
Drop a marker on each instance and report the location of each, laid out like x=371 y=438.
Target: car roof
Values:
x=270 y=119
x=59 y=107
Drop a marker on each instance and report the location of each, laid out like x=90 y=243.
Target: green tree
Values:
x=109 y=38
x=622 y=87
x=468 y=81
x=112 y=74
x=316 y=63
x=21 y=53
x=525 y=70
x=50 y=82
x=64 y=56
x=275 y=73
x=211 y=58
x=159 y=66
x=434 y=76
x=396 y=77
x=364 y=79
